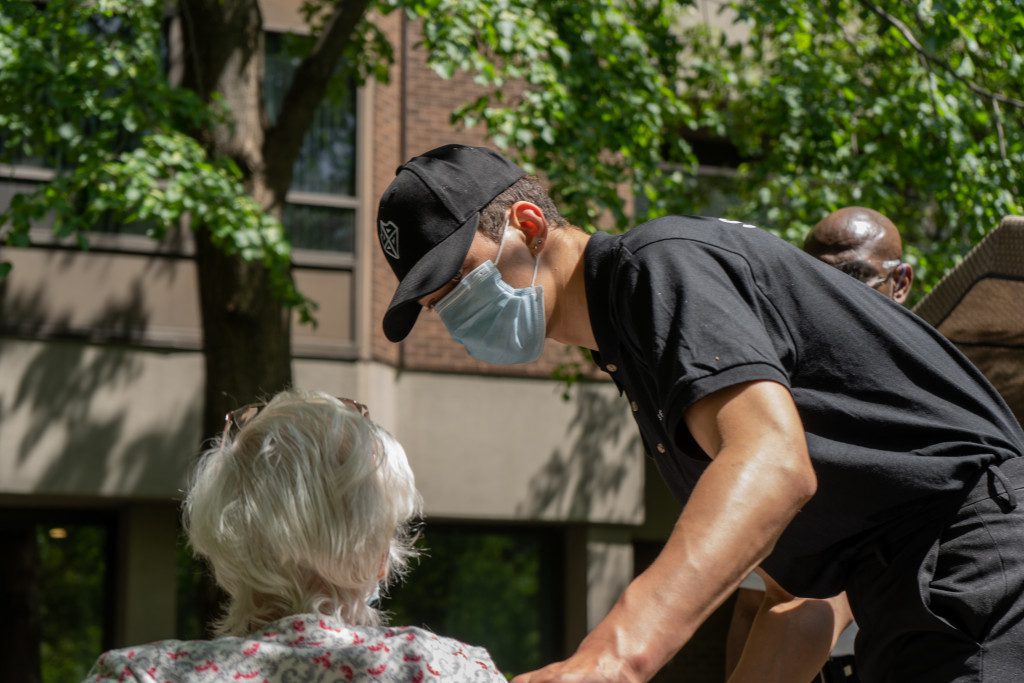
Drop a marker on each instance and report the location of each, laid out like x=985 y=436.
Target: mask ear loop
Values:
x=504 y=234
x=536 y=265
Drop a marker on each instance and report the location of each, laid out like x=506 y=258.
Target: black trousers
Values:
x=947 y=605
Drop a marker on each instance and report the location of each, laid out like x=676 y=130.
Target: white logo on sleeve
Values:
x=388 y=233
x=731 y=222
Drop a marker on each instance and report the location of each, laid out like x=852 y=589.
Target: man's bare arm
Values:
x=758 y=480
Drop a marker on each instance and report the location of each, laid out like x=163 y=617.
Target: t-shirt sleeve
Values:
x=700 y=323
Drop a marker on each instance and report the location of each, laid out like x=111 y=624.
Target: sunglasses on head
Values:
x=238 y=418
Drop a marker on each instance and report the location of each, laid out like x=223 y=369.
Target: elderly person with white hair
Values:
x=304 y=510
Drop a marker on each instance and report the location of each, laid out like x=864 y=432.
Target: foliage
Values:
x=916 y=110
x=492 y=588
x=586 y=92
x=86 y=94
x=72 y=573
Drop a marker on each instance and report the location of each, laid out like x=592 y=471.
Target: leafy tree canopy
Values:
x=913 y=109
x=916 y=110
x=85 y=93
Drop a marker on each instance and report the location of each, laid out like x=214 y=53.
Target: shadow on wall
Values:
x=58 y=397
x=574 y=482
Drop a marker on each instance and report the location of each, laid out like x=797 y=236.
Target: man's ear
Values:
x=529 y=218
x=901 y=281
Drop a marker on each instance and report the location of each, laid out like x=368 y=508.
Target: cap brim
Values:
x=435 y=269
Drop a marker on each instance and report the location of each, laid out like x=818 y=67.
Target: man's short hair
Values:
x=526 y=189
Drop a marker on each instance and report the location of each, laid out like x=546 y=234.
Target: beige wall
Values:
x=512 y=448
x=81 y=419
x=151 y=299
x=147 y=567
x=87 y=420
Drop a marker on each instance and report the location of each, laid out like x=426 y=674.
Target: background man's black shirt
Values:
x=898 y=422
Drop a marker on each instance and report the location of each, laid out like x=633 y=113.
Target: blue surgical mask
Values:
x=495 y=322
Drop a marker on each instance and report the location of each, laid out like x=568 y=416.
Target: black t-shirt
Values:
x=898 y=422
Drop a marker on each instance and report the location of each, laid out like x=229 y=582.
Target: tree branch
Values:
x=999 y=129
x=909 y=36
x=307 y=89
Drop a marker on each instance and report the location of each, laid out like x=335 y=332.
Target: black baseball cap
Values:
x=426 y=220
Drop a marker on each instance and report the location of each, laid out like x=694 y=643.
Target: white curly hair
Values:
x=307 y=509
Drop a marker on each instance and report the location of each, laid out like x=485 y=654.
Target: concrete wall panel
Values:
x=512 y=448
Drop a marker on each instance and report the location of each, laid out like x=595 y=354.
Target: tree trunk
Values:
x=19 y=603
x=246 y=329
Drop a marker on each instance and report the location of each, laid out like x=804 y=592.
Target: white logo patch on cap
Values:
x=388 y=233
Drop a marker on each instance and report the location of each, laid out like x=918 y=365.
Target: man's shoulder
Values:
x=670 y=232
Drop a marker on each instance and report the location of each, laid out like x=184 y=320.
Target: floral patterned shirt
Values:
x=303 y=647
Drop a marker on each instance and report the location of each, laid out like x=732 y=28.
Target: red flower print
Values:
x=412 y=658
x=239 y=676
x=357 y=639
x=323 y=660
x=298 y=625
x=251 y=650
x=347 y=672
x=176 y=655
x=210 y=665
x=378 y=647
x=418 y=678
x=324 y=626
x=433 y=671
x=377 y=670
x=482 y=665
x=410 y=636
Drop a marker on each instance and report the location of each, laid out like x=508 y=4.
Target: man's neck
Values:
x=570 y=320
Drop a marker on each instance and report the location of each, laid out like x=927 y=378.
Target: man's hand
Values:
x=593 y=662
x=759 y=479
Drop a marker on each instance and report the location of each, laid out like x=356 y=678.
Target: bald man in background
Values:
x=865 y=245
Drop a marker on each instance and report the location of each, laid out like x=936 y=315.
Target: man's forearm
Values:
x=737 y=511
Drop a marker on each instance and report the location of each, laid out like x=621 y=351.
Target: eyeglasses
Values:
x=238 y=418
x=868 y=273
x=879 y=280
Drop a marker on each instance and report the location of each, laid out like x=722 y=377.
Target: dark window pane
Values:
x=73 y=596
x=327 y=161
x=190 y=571
x=495 y=588
x=320 y=227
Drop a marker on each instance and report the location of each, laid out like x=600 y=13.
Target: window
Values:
x=58 y=572
x=320 y=210
x=494 y=587
x=321 y=204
